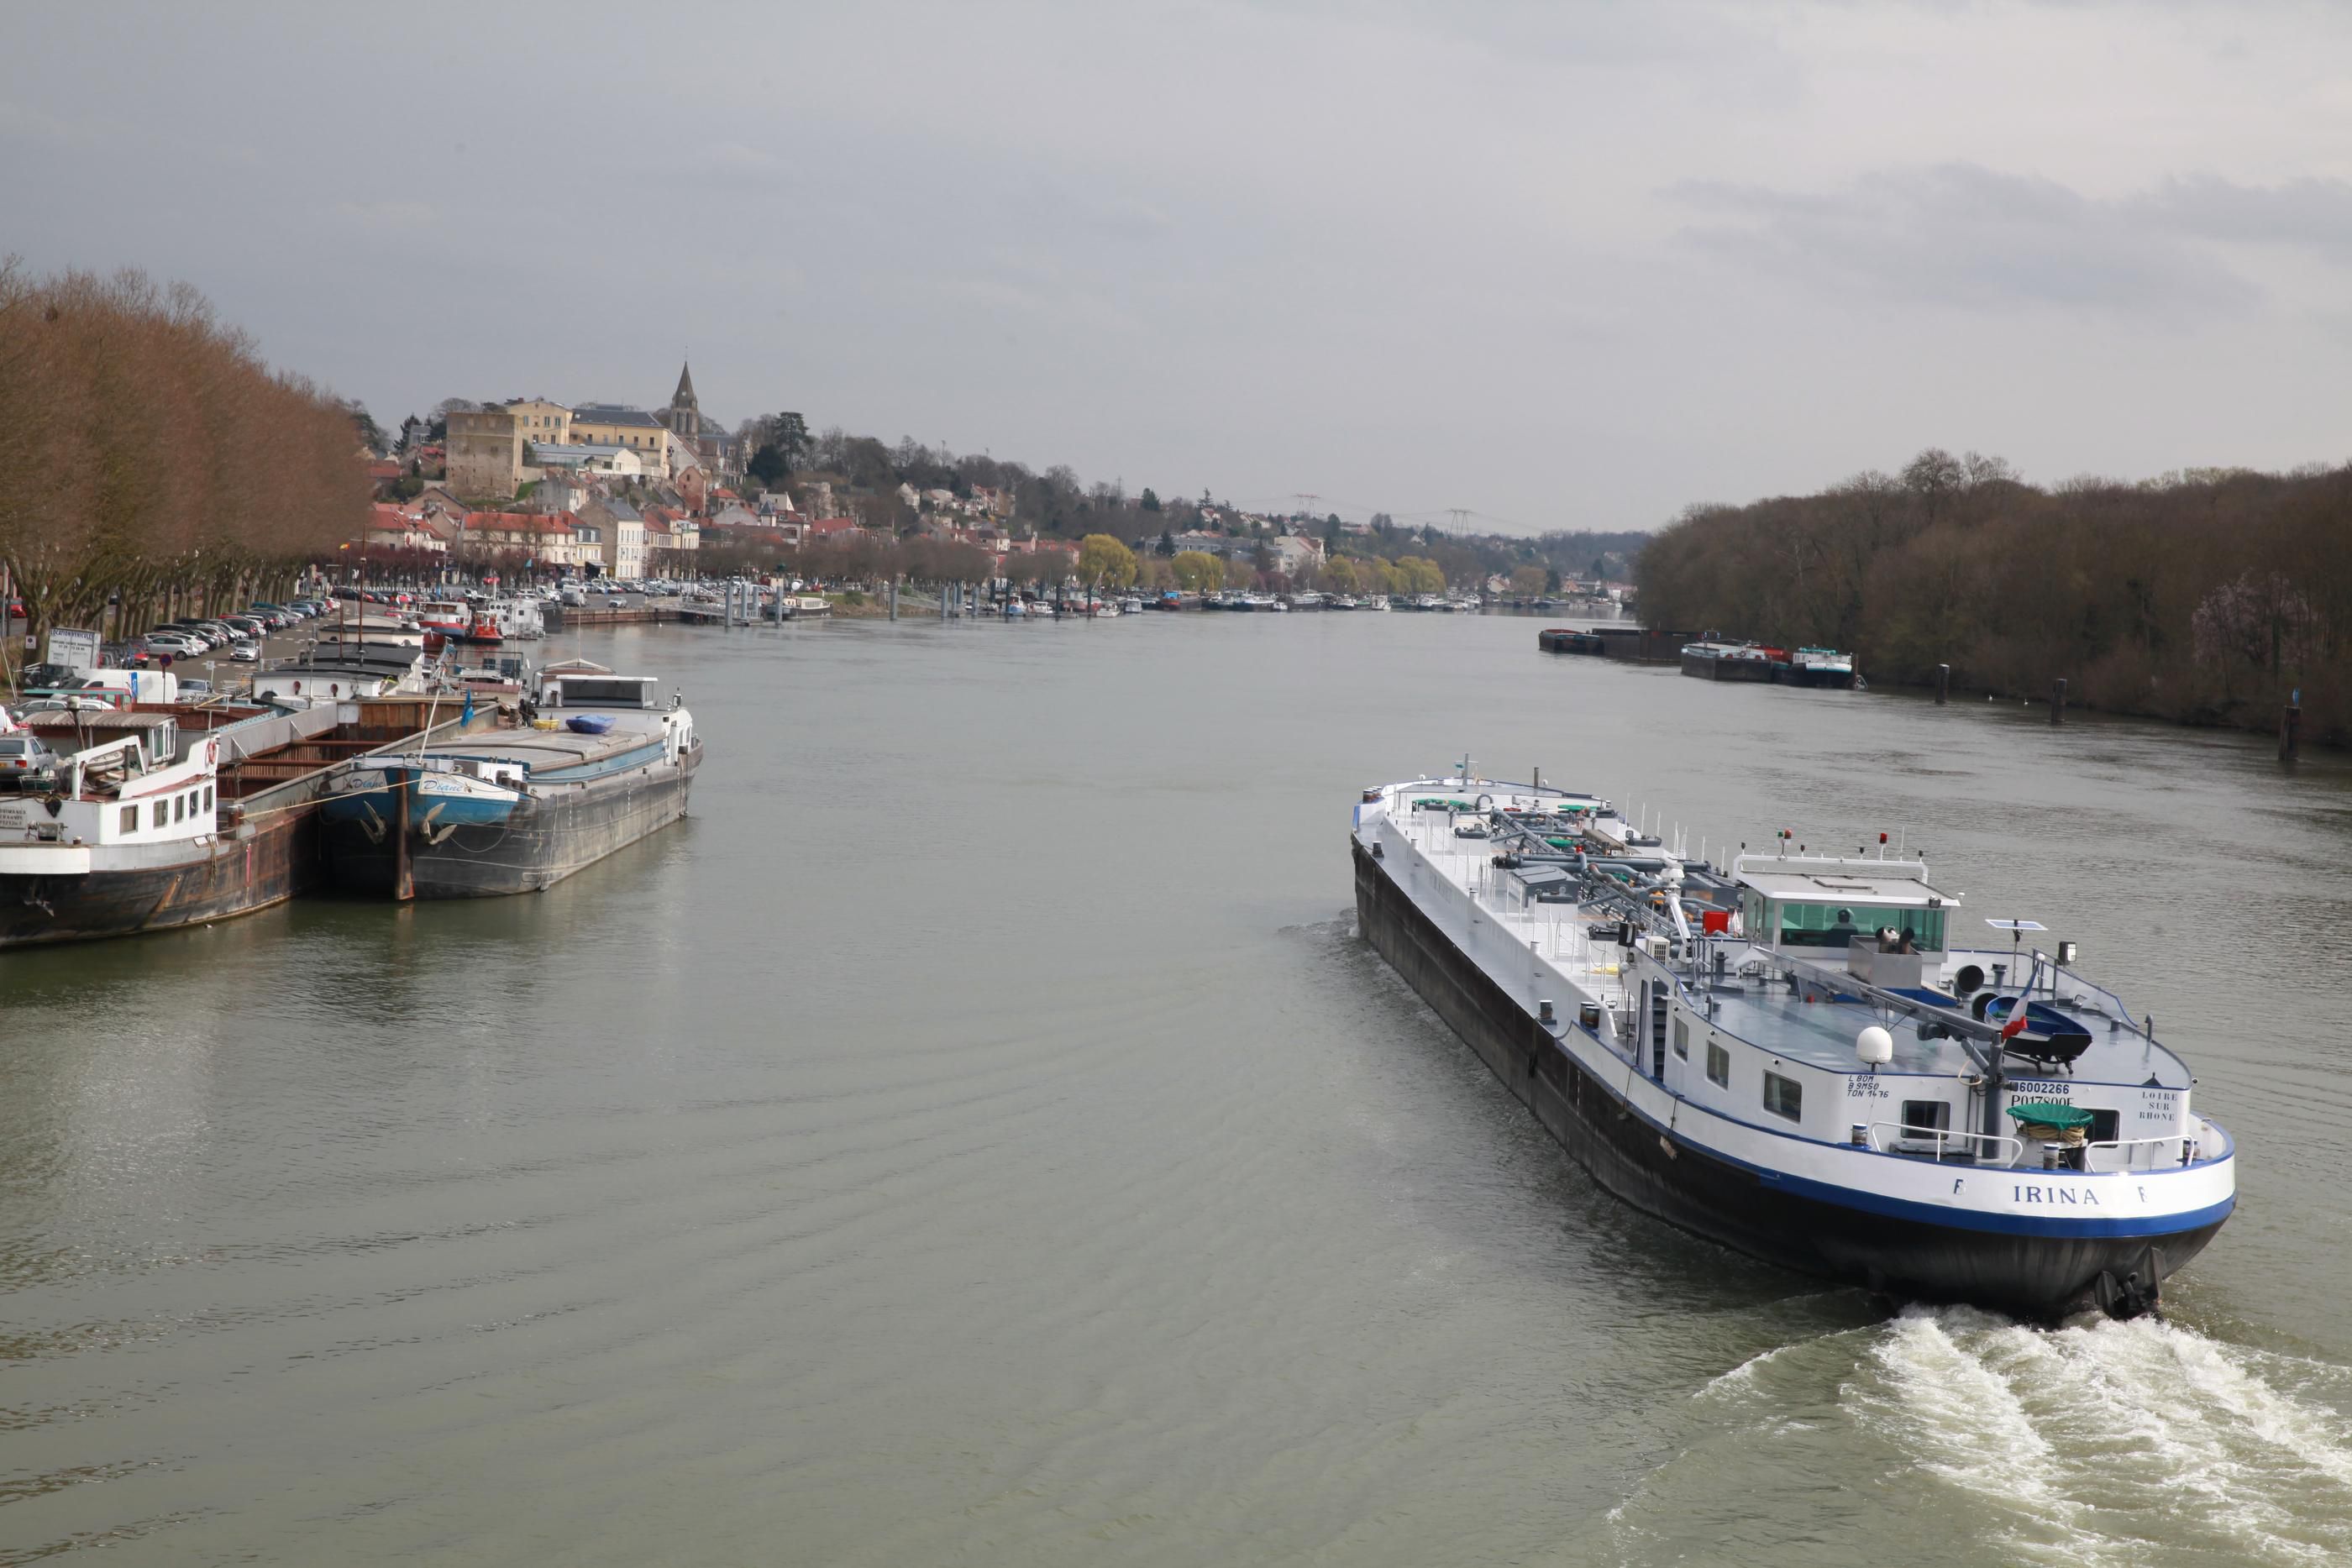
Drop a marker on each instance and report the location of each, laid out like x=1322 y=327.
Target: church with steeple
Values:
x=715 y=443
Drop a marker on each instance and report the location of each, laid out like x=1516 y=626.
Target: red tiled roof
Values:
x=831 y=525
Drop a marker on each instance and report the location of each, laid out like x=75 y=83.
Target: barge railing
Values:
x=2177 y=1153
x=1972 y=1144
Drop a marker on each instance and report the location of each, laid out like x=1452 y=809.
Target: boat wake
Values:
x=1972 y=1438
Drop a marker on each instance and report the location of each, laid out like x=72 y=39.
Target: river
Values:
x=978 y=1135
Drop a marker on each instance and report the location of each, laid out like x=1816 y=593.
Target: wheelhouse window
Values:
x=1835 y=925
x=1718 y=1065
x=1784 y=1096
x=131 y=819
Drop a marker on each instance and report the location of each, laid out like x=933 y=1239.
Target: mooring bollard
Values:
x=2058 y=701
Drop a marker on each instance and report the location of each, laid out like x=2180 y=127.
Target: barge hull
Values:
x=1708 y=669
x=547 y=838
x=2037 y=1278
x=239 y=876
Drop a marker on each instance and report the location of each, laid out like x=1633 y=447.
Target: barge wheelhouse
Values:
x=1793 y=1056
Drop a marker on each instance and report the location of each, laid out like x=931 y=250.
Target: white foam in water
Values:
x=2138 y=1442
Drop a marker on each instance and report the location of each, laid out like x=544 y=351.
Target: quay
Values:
x=573 y=618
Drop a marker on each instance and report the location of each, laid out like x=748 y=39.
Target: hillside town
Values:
x=534 y=489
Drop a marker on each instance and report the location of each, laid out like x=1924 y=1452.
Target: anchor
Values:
x=425 y=829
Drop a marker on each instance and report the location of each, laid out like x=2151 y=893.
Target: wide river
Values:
x=978 y=1135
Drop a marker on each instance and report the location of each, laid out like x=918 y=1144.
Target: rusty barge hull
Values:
x=238 y=874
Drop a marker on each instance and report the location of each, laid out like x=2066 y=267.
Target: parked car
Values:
x=35 y=677
x=245 y=654
x=25 y=765
x=196 y=688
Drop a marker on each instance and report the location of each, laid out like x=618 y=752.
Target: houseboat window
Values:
x=1926 y=1117
x=1718 y=1065
x=179 y=807
x=208 y=797
x=129 y=818
x=1682 y=1038
x=1784 y=1096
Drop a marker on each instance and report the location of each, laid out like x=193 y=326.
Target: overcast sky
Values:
x=1566 y=265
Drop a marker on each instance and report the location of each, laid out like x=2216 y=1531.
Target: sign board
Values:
x=74 y=650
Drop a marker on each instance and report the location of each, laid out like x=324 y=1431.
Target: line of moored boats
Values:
x=366 y=767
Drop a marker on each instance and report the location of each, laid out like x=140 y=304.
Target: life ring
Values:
x=211 y=753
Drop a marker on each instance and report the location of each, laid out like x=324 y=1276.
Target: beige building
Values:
x=545 y=538
x=609 y=425
x=541 y=423
x=613 y=532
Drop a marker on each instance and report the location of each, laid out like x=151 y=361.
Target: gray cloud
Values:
x=2311 y=214
x=1570 y=264
x=1972 y=238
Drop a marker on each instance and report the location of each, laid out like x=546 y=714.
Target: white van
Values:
x=132 y=686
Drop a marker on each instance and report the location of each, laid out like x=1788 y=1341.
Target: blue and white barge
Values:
x=594 y=763
x=1794 y=1056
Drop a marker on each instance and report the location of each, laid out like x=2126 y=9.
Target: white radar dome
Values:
x=1874 y=1045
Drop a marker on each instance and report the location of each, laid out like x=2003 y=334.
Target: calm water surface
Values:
x=978 y=1136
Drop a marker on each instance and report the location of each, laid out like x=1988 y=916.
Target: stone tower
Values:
x=684 y=415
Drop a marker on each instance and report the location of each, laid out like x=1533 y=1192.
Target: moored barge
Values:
x=169 y=816
x=603 y=763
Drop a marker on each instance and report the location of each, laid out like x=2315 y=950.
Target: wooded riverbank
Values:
x=2208 y=597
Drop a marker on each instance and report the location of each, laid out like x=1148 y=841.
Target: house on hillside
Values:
x=616 y=425
x=539 y=540
x=617 y=531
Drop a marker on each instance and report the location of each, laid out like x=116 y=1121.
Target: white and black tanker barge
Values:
x=600 y=761
x=1791 y=1056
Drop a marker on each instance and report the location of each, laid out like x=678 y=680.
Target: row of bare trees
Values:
x=150 y=460
x=2207 y=596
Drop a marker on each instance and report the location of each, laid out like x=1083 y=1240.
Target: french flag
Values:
x=2014 y=1025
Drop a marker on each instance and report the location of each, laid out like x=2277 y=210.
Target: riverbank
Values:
x=2210 y=599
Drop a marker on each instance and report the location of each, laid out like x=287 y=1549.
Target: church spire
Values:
x=684 y=396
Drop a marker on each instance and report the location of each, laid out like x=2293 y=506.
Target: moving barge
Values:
x=1788 y=1057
